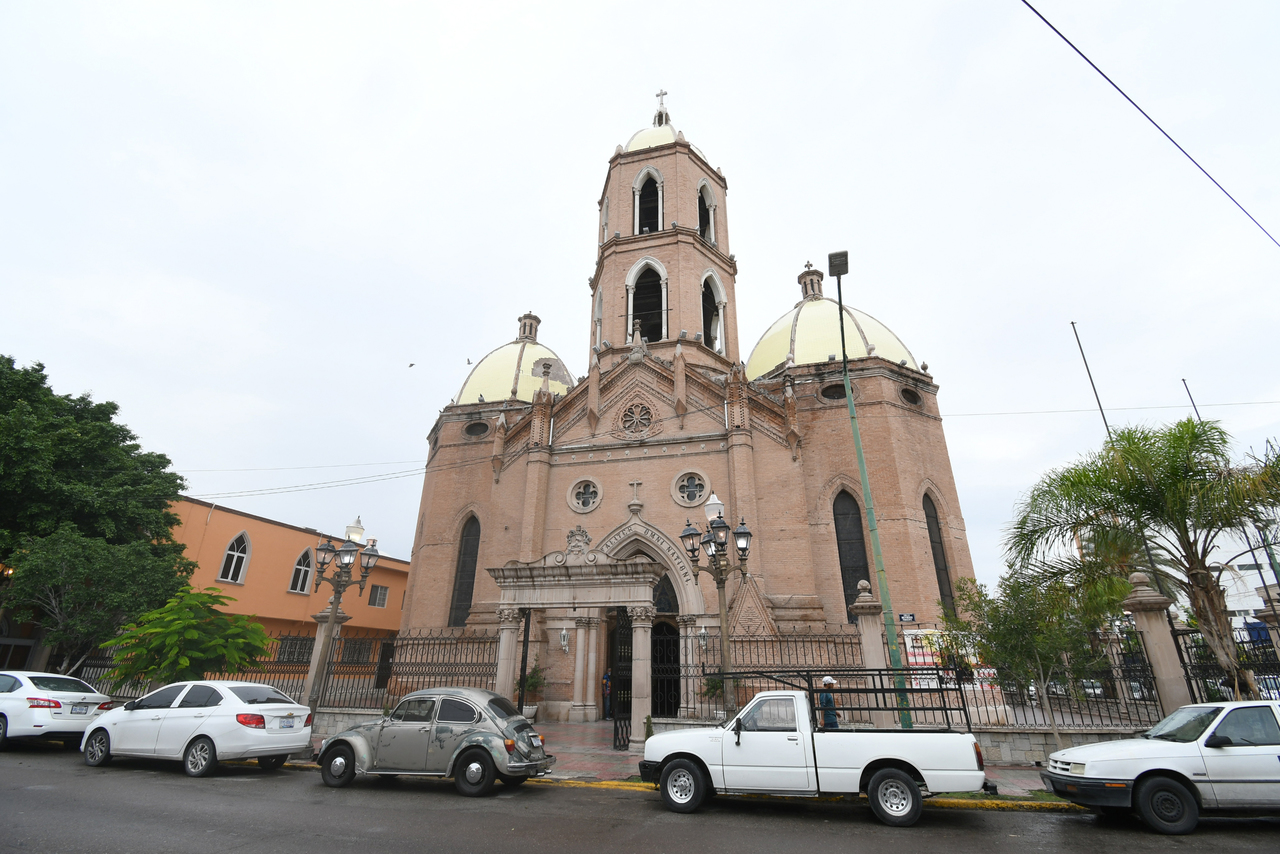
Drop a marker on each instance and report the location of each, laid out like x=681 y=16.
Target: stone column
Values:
x=578 y=712
x=1149 y=610
x=688 y=682
x=315 y=670
x=868 y=613
x=593 y=667
x=641 y=670
x=508 y=651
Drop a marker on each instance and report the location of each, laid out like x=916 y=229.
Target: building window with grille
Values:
x=295 y=649
x=851 y=546
x=235 y=560
x=301 y=581
x=464 y=579
x=378 y=596
x=939 y=556
x=356 y=651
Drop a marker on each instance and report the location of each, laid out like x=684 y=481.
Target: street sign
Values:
x=906 y=618
x=838 y=264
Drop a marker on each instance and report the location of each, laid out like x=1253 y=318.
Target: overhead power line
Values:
x=1148 y=118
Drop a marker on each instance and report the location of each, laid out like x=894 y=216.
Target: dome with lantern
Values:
x=514 y=371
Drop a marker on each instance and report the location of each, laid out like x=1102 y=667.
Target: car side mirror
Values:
x=1218 y=741
x=131 y=705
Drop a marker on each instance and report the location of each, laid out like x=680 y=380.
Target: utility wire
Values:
x=1148 y=118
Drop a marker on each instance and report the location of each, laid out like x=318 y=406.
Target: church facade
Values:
x=566 y=497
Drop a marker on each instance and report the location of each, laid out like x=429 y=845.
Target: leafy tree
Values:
x=82 y=589
x=1174 y=491
x=1033 y=634
x=66 y=459
x=185 y=639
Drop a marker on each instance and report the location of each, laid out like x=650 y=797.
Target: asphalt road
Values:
x=51 y=802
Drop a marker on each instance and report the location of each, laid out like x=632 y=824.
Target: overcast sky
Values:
x=242 y=221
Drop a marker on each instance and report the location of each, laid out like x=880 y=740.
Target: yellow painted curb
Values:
x=598 y=784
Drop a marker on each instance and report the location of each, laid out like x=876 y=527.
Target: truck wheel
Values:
x=895 y=797
x=338 y=766
x=683 y=786
x=1166 y=806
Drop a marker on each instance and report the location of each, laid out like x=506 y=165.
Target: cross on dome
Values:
x=808 y=266
x=662 y=117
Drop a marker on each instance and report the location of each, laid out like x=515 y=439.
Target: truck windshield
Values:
x=1186 y=724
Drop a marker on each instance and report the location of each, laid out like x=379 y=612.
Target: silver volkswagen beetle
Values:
x=471 y=735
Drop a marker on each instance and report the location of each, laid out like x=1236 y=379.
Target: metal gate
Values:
x=620 y=664
x=666 y=670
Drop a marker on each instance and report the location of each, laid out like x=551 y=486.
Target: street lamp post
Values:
x=341 y=579
x=715 y=542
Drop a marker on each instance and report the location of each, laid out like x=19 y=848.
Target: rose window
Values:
x=691 y=488
x=637 y=418
x=586 y=495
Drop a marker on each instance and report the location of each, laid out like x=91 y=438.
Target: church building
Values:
x=567 y=497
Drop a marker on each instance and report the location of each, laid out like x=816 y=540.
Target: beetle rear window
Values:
x=261 y=695
x=502 y=707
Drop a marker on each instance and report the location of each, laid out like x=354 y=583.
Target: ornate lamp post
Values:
x=341 y=579
x=715 y=542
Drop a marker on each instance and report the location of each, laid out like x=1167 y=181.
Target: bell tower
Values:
x=664 y=265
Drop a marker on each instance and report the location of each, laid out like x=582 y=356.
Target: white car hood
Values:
x=1129 y=748
x=662 y=744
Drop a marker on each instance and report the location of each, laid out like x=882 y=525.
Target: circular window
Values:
x=834 y=391
x=690 y=488
x=911 y=396
x=476 y=429
x=584 y=496
x=637 y=418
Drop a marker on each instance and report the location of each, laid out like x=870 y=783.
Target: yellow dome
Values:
x=514 y=371
x=810 y=332
x=651 y=138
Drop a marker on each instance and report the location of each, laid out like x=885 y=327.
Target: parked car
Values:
x=771 y=748
x=1203 y=757
x=201 y=723
x=471 y=735
x=47 y=705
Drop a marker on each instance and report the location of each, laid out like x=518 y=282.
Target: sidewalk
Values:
x=585 y=752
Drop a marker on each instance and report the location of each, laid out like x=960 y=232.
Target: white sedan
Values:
x=1210 y=756
x=46 y=705
x=200 y=723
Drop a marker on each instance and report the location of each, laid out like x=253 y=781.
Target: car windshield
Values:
x=260 y=695
x=61 y=683
x=1186 y=724
x=502 y=707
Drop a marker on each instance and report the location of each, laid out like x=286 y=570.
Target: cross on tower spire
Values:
x=662 y=117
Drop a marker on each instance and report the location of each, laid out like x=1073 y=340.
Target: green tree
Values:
x=66 y=459
x=185 y=639
x=1174 y=491
x=1033 y=634
x=81 y=590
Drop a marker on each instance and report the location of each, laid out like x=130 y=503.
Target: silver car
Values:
x=471 y=735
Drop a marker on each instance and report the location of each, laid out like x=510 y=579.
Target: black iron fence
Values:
x=1116 y=692
x=373 y=670
x=1206 y=679
x=693 y=687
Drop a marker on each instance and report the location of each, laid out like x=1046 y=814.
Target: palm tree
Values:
x=1166 y=496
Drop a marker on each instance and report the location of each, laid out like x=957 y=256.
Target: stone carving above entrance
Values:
x=579 y=540
x=637 y=419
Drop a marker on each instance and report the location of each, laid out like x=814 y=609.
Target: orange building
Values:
x=268 y=567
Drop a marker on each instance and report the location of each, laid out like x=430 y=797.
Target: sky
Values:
x=243 y=221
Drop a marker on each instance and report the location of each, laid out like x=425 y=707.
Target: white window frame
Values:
x=305 y=586
x=374 y=590
x=240 y=569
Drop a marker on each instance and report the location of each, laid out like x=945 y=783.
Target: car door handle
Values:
x=793 y=738
x=157 y=717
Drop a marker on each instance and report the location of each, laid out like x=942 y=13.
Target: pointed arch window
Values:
x=235 y=560
x=665 y=600
x=301 y=581
x=464 y=579
x=646 y=305
x=649 y=218
x=851 y=546
x=939 y=556
x=712 y=321
x=704 y=218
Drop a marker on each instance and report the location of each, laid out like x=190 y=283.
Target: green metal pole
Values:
x=882 y=581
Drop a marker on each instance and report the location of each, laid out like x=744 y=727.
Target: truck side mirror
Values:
x=1218 y=741
x=737 y=732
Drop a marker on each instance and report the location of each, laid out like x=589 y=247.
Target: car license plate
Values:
x=79 y=710
x=286 y=723
x=535 y=740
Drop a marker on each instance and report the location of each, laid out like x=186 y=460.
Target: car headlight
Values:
x=1077 y=768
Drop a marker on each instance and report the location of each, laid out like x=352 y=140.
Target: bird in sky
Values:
x=411 y=364
x=468 y=361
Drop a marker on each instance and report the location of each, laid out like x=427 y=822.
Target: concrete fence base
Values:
x=1027 y=747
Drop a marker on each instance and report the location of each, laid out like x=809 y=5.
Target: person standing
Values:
x=606 y=689
x=827 y=704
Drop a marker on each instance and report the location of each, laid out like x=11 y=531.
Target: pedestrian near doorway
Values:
x=827 y=704
x=606 y=690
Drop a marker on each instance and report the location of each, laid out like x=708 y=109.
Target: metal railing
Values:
x=1208 y=681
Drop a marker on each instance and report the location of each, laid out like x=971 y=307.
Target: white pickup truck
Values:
x=771 y=747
